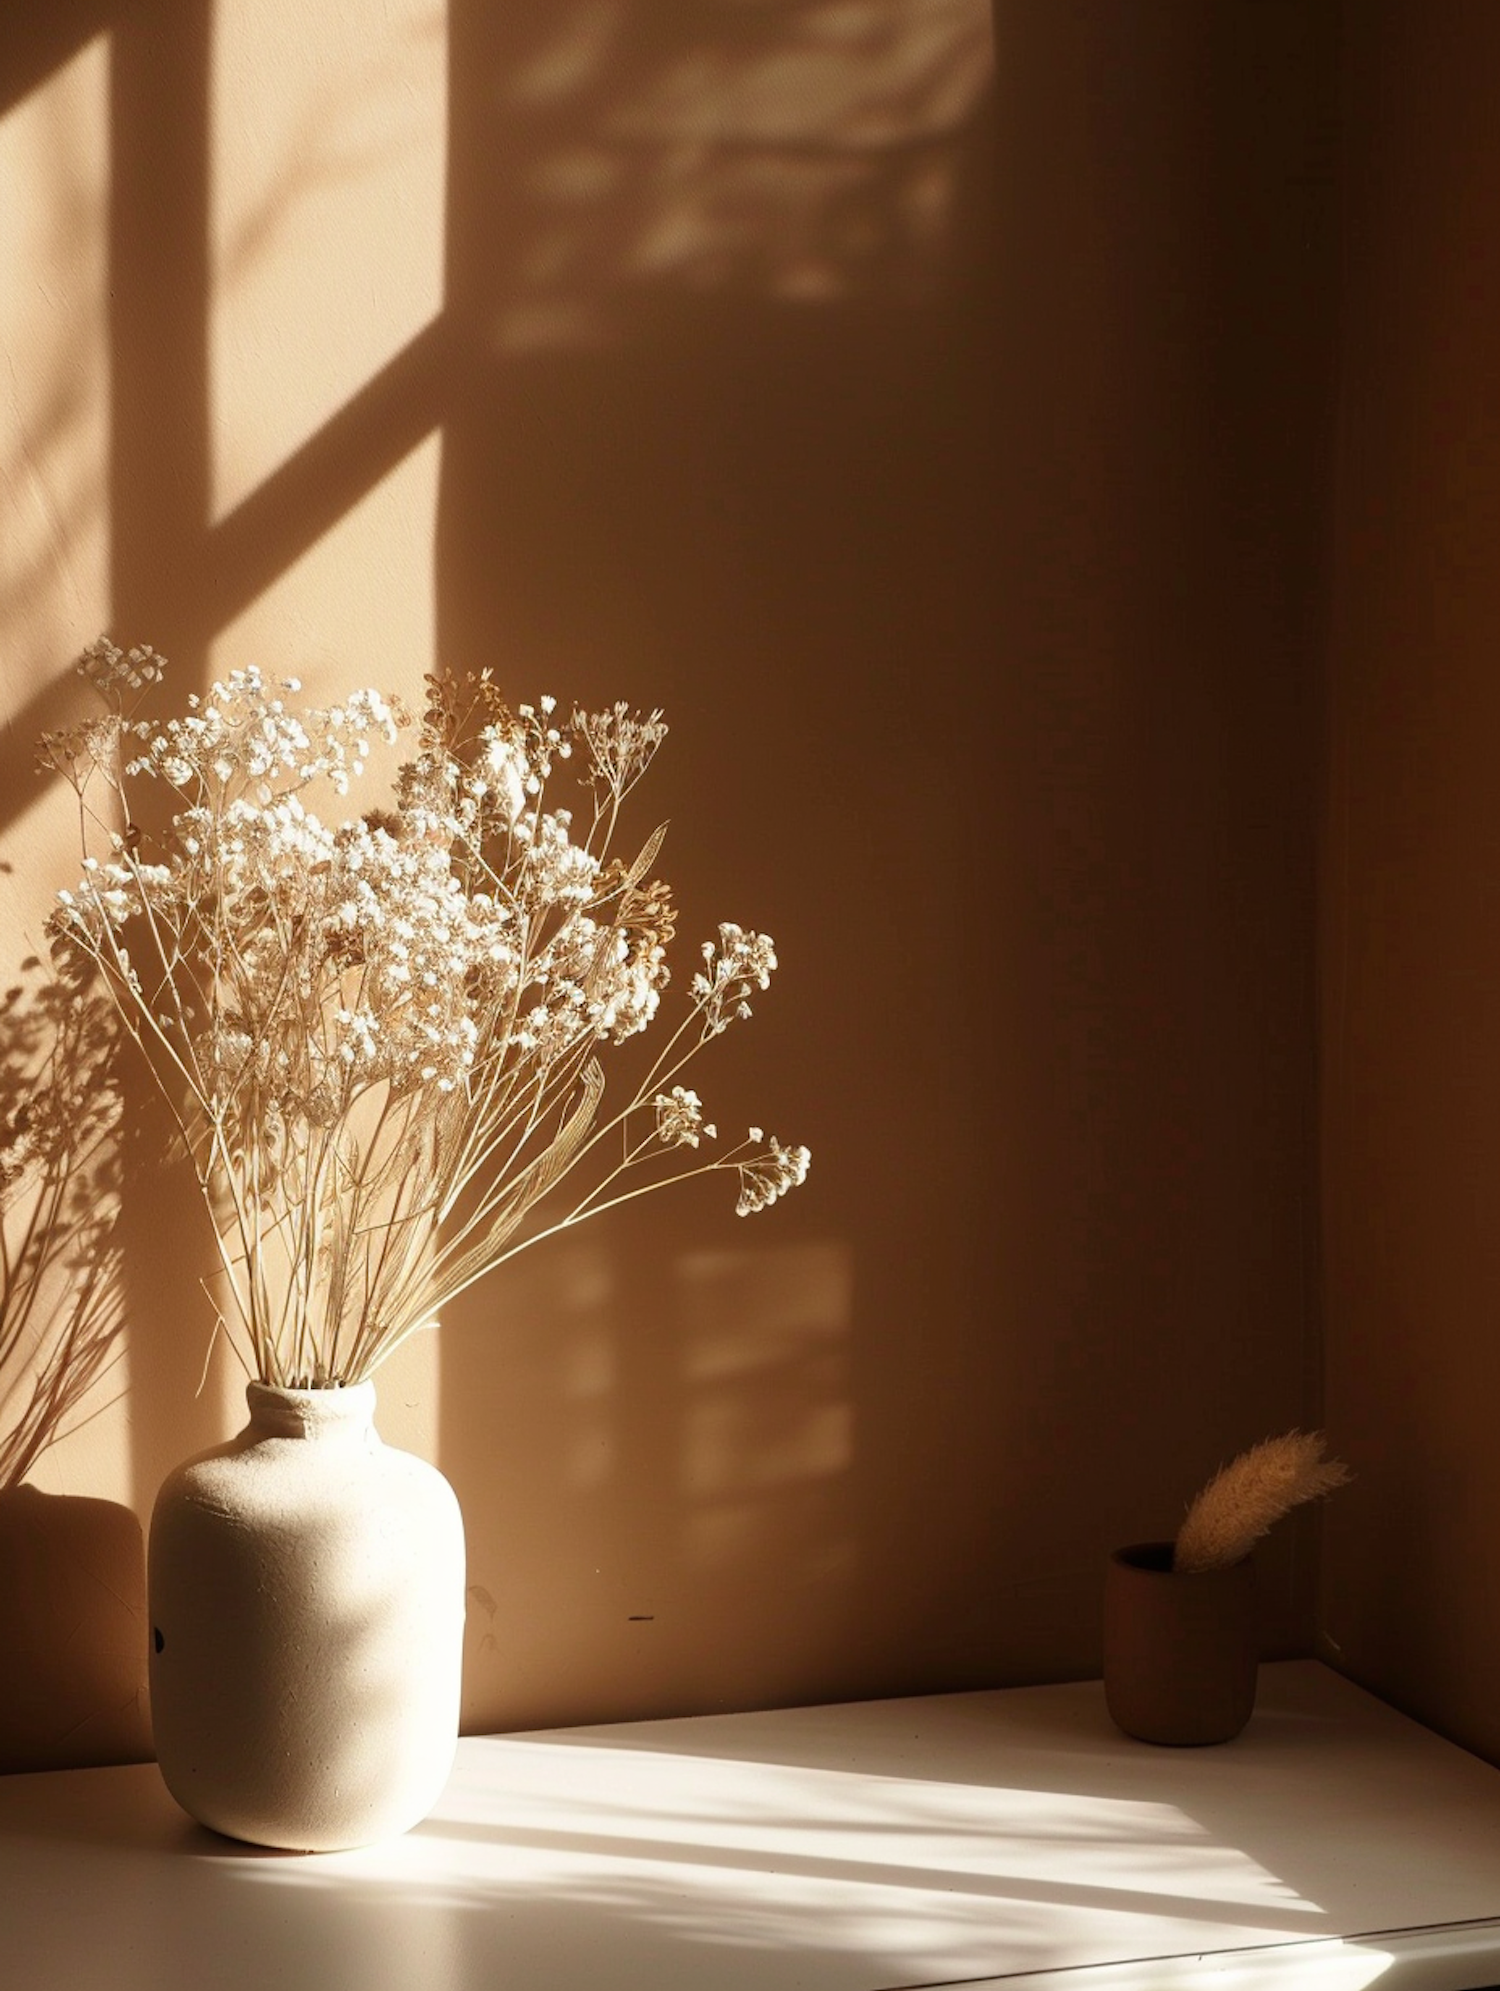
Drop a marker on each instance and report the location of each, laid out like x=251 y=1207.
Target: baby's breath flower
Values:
x=741 y=961
x=380 y=1033
x=770 y=1175
x=620 y=745
x=679 y=1118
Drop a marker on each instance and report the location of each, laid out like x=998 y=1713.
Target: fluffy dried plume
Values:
x=1245 y=1499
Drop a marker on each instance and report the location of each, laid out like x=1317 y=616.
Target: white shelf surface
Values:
x=1012 y=1839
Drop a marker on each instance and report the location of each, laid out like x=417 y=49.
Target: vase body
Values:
x=306 y=1601
x=1181 y=1651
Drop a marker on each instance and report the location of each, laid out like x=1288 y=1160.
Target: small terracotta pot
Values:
x=1180 y=1651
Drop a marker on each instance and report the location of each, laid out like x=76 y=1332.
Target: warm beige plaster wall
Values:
x=1412 y=1086
x=943 y=455
x=982 y=590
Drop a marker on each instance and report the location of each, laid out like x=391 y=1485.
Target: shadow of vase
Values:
x=73 y=1658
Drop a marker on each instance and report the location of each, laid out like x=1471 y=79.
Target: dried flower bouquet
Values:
x=380 y=1040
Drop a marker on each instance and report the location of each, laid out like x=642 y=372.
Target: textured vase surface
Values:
x=306 y=1602
x=1181 y=1651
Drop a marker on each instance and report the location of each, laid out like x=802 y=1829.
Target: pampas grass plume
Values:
x=1245 y=1499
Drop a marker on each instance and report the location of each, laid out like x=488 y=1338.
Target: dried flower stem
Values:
x=61 y=1310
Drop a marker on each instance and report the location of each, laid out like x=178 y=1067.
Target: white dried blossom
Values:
x=380 y=1034
x=740 y=962
x=770 y=1175
x=679 y=1118
x=620 y=744
x=243 y=734
x=504 y=772
x=556 y=868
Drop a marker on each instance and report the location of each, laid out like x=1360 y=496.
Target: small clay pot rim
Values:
x=1155 y=1559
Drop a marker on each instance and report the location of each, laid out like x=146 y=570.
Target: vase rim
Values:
x=308 y=1413
x=1155 y=1559
x=320 y=1390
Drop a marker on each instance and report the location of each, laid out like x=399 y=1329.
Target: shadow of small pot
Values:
x=1180 y=1651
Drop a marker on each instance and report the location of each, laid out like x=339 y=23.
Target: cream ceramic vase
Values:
x=306 y=1595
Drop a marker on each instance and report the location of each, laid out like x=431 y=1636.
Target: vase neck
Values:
x=318 y=1414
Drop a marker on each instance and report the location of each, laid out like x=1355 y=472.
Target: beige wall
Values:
x=946 y=456
x=1411 y=1106
x=987 y=617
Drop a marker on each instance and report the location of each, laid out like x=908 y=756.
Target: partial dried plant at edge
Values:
x=61 y=1308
